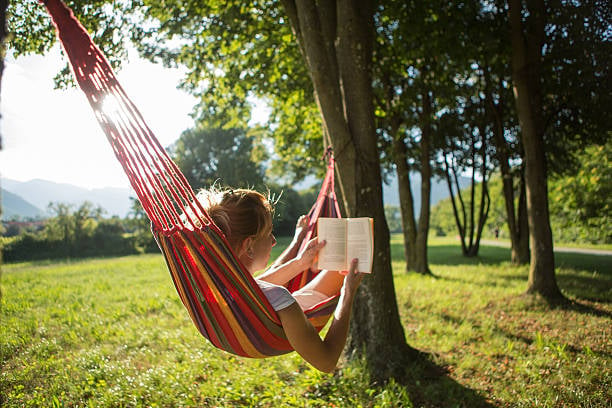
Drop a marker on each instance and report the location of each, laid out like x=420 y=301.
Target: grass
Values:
x=112 y=333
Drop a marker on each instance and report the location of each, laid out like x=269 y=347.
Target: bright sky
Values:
x=53 y=135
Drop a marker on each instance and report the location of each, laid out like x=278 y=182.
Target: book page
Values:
x=333 y=255
x=360 y=242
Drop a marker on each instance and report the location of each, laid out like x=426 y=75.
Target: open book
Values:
x=346 y=239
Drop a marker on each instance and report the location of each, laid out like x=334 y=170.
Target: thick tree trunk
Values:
x=526 y=58
x=337 y=46
x=409 y=227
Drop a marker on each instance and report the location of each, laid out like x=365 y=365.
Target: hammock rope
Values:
x=222 y=298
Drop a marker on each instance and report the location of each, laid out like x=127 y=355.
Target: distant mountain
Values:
x=13 y=205
x=115 y=201
x=31 y=198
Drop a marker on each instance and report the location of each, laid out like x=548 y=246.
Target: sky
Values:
x=52 y=134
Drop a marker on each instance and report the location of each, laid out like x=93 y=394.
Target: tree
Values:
x=408 y=71
x=492 y=60
x=218 y=156
x=336 y=40
x=72 y=227
x=472 y=157
x=139 y=226
x=528 y=36
x=516 y=213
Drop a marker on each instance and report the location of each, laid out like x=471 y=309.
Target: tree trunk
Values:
x=517 y=223
x=485 y=200
x=526 y=60
x=336 y=43
x=520 y=249
x=406 y=198
x=421 y=264
x=449 y=183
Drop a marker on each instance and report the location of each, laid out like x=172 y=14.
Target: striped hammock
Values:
x=222 y=298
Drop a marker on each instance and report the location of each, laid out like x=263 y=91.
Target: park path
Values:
x=590 y=251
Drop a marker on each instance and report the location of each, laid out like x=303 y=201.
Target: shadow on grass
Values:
x=577 y=306
x=600 y=264
x=592 y=288
x=429 y=385
x=451 y=255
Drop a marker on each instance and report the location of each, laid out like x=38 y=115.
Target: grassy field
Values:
x=112 y=333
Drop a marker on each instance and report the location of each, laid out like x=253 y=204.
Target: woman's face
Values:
x=261 y=251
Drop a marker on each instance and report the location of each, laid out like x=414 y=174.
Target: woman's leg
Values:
x=326 y=282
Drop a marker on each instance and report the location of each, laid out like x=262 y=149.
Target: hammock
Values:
x=222 y=298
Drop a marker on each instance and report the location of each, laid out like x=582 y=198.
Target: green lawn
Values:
x=112 y=332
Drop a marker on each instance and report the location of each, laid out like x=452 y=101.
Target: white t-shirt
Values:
x=278 y=296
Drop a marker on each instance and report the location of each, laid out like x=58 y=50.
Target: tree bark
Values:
x=421 y=264
x=341 y=76
x=451 y=188
x=526 y=60
x=520 y=251
x=409 y=227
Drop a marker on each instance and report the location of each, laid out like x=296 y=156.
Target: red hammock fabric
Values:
x=222 y=298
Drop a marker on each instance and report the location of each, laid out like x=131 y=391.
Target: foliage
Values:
x=139 y=225
x=394 y=218
x=31 y=31
x=290 y=205
x=112 y=332
x=76 y=233
x=576 y=90
x=235 y=51
x=580 y=204
x=209 y=156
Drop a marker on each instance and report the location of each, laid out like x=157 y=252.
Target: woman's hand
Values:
x=353 y=278
x=308 y=255
x=301 y=227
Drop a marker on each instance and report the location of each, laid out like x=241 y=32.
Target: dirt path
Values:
x=590 y=251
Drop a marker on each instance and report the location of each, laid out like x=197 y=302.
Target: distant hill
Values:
x=39 y=193
x=13 y=205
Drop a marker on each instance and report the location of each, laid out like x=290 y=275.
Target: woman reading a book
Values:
x=245 y=216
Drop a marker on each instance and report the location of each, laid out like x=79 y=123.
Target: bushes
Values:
x=28 y=247
x=76 y=234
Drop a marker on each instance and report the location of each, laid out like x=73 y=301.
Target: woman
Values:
x=245 y=216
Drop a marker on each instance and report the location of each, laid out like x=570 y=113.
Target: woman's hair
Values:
x=239 y=213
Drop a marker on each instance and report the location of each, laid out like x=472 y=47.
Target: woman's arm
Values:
x=279 y=274
x=291 y=251
x=322 y=354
